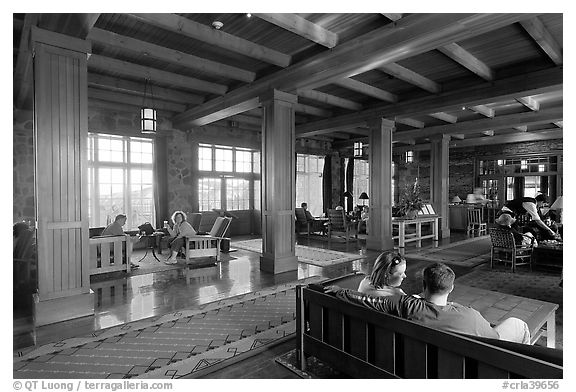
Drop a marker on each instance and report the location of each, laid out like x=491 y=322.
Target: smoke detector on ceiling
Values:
x=217 y=24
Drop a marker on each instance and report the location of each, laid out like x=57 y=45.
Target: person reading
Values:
x=432 y=308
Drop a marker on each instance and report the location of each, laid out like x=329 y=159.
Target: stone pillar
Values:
x=439 y=181
x=380 y=193
x=278 y=183
x=61 y=131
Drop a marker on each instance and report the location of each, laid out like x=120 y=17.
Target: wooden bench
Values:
x=110 y=254
x=364 y=343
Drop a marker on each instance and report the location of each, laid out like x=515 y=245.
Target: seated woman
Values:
x=387 y=275
x=178 y=232
x=506 y=221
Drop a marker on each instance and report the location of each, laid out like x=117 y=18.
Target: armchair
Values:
x=338 y=225
x=312 y=226
x=207 y=245
x=503 y=243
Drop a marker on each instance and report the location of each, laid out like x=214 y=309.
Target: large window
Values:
x=120 y=180
x=309 y=170
x=361 y=181
x=227 y=175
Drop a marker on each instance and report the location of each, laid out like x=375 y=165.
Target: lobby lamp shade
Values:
x=347 y=194
x=558 y=205
x=456 y=199
x=363 y=196
x=148 y=113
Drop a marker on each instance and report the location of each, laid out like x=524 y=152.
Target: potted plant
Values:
x=411 y=202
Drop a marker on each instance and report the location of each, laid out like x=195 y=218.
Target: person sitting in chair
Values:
x=115 y=228
x=309 y=216
x=505 y=221
x=178 y=233
x=432 y=309
x=529 y=205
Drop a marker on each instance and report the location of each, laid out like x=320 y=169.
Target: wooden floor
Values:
x=130 y=298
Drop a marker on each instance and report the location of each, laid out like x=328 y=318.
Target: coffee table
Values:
x=495 y=307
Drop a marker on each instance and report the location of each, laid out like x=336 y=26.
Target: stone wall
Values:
x=23 y=206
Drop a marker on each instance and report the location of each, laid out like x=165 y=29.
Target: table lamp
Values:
x=558 y=206
x=456 y=200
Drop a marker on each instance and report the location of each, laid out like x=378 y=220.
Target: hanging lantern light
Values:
x=148 y=113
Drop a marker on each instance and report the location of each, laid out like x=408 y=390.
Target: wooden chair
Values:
x=338 y=225
x=313 y=226
x=503 y=242
x=475 y=223
x=207 y=245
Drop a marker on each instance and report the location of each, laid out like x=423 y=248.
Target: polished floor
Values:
x=120 y=299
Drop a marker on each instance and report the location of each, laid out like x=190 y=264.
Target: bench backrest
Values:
x=367 y=344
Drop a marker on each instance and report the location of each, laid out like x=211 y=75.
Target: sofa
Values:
x=363 y=343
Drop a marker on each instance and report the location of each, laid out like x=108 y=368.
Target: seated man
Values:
x=315 y=224
x=115 y=228
x=432 y=308
x=309 y=216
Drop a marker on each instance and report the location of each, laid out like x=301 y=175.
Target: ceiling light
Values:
x=217 y=24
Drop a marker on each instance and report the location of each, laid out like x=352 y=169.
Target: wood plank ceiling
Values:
x=482 y=78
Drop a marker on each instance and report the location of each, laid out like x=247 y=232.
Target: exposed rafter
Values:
x=129 y=99
x=127 y=86
x=523 y=85
x=445 y=117
x=483 y=110
x=303 y=28
x=329 y=99
x=530 y=103
x=543 y=38
x=208 y=35
x=410 y=122
x=134 y=70
x=393 y=17
x=467 y=60
x=411 y=77
x=412 y=35
x=475 y=126
x=367 y=89
x=170 y=55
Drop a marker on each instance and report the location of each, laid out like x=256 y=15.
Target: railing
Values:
x=110 y=254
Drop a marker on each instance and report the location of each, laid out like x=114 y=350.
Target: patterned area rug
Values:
x=539 y=285
x=305 y=254
x=468 y=253
x=186 y=343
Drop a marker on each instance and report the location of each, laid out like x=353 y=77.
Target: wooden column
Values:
x=60 y=135
x=439 y=178
x=380 y=193
x=278 y=183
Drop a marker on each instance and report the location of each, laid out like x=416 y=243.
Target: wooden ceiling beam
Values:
x=170 y=55
x=311 y=110
x=483 y=110
x=529 y=102
x=129 y=99
x=122 y=107
x=467 y=60
x=489 y=132
x=411 y=35
x=548 y=134
x=244 y=119
x=411 y=77
x=522 y=128
x=302 y=27
x=559 y=124
x=329 y=99
x=474 y=126
x=367 y=89
x=410 y=122
x=127 y=86
x=543 y=38
x=444 y=117
x=125 y=68
x=521 y=85
x=208 y=35
x=393 y=17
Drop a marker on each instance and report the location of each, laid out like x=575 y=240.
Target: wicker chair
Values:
x=338 y=225
x=475 y=223
x=503 y=242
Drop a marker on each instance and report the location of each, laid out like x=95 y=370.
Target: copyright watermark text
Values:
x=86 y=385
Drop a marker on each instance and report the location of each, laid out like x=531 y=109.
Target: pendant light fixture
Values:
x=147 y=112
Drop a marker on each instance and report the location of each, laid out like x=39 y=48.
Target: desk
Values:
x=495 y=307
x=403 y=238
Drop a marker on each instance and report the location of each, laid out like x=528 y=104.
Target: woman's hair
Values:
x=176 y=213
x=383 y=267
